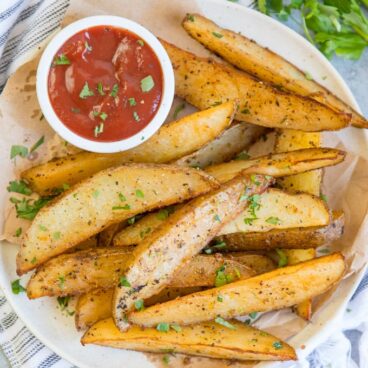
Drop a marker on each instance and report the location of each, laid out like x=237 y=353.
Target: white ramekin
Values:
x=47 y=59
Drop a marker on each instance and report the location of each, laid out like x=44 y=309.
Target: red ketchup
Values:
x=105 y=84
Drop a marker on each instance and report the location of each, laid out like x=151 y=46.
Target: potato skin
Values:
x=264 y=64
x=205 y=339
x=108 y=197
x=204 y=83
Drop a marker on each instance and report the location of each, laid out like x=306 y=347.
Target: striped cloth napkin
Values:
x=23 y=25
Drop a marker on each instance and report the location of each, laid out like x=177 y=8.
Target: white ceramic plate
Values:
x=57 y=331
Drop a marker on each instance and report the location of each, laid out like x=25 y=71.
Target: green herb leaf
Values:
x=37 y=144
x=139 y=193
x=19 y=186
x=217 y=218
x=140 y=43
x=221 y=277
x=86 y=92
x=283 y=258
x=28 y=208
x=136 y=116
x=17 y=287
x=87 y=46
x=56 y=235
x=166 y=358
x=163 y=327
x=126 y=207
x=61 y=60
x=63 y=301
x=124 y=282
x=18 y=232
x=253 y=315
x=224 y=323
x=139 y=305
x=175 y=327
x=132 y=101
x=100 y=89
x=273 y=220
x=115 y=90
x=277 y=345
x=190 y=17
x=18 y=151
x=323 y=197
x=122 y=197
x=178 y=109
x=147 y=83
x=103 y=116
x=61 y=282
x=131 y=220
x=308 y=76
x=42 y=227
x=218 y=35
x=220 y=298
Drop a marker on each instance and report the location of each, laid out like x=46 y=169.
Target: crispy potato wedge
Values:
x=258 y=263
x=233 y=140
x=292 y=140
x=109 y=197
x=263 y=63
x=161 y=254
x=280 y=210
x=292 y=238
x=205 y=339
x=96 y=305
x=204 y=83
x=88 y=270
x=106 y=236
x=279 y=164
x=195 y=130
x=277 y=289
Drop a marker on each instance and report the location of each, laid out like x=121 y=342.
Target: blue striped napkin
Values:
x=23 y=25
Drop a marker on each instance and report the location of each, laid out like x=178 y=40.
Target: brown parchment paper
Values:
x=21 y=122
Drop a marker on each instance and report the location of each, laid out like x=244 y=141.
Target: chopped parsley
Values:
x=283 y=258
x=252 y=208
x=253 y=179
x=245 y=111
x=190 y=17
x=86 y=92
x=136 y=116
x=63 y=301
x=224 y=323
x=19 y=186
x=147 y=83
x=124 y=282
x=273 y=220
x=17 y=287
x=163 y=327
x=140 y=42
x=17 y=150
x=115 y=90
x=253 y=315
x=122 y=197
x=175 y=327
x=87 y=46
x=28 y=208
x=103 y=116
x=217 y=218
x=221 y=277
x=42 y=227
x=99 y=129
x=323 y=197
x=308 y=76
x=139 y=193
x=218 y=35
x=277 y=345
x=220 y=298
x=242 y=156
x=61 y=282
x=218 y=245
x=166 y=358
x=132 y=101
x=178 y=109
x=33 y=260
x=100 y=89
x=95 y=193
x=18 y=232
x=37 y=144
x=139 y=305
x=56 y=235
x=62 y=60
x=126 y=207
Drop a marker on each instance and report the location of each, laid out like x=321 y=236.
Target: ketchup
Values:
x=105 y=83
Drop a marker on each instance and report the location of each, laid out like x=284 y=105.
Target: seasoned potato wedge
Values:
x=280 y=210
x=195 y=130
x=161 y=254
x=206 y=339
x=258 y=263
x=263 y=63
x=109 y=197
x=277 y=289
x=96 y=305
x=204 y=83
x=293 y=238
x=279 y=164
x=106 y=236
x=233 y=140
x=88 y=270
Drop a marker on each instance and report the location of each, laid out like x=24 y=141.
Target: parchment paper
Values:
x=21 y=121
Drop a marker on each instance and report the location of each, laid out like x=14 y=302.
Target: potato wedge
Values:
x=277 y=289
x=258 y=263
x=106 y=236
x=156 y=259
x=88 y=270
x=109 y=197
x=279 y=164
x=205 y=339
x=263 y=63
x=96 y=305
x=290 y=238
x=204 y=83
x=195 y=130
x=280 y=210
x=233 y=140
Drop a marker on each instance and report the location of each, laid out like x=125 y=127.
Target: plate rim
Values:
x=358 y=275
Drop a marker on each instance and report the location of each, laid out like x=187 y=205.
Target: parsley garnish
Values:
x=63 y=301
x=217 y=218
x=308 y=76
x=87 y=46
x=221 y=278
x=253 y=179
x=126 y=207
x=242 y=156
x=139 y=193
x=166 y=358
x=252 y=208
x=18 y=232
x=139 y=305
x=61 y=282
x=175 y=327
x=122 y=197
x=28 y=208
x=136 y=116
x=178 y=109
x=190 y=17
x=56 y=235
x=37 y=144
x=323 y=197
x=62 y=60
x=220 y=298
x=17 y=287
x=42 y=227
x=273 y=220
x=99 y=129
x=253 y=315
x=86 y=92
x=277 y=345
x=147 y=83
x=224 y=323
x=131 y=220
x=283 y=258
x=124 y=282
x=100 y=89
x=17 y=150
x=140 y=42
x=215 y=247
x=114 y=91
x=218 y=35
x=103 y=116
x=163 y=327
x=19 y=187
x=132 y=101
